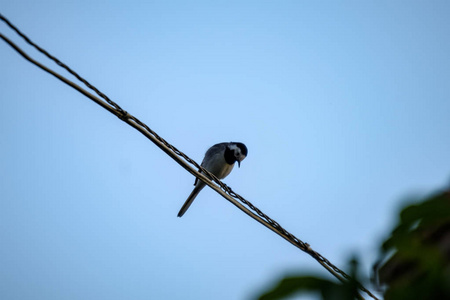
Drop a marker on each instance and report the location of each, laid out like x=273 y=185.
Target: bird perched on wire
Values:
x=219 y=160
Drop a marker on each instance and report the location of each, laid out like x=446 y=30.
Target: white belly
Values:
x=220 y=168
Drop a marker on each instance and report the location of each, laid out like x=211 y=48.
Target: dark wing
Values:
x=210 y=153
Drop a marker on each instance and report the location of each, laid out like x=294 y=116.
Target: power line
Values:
x=179 y=156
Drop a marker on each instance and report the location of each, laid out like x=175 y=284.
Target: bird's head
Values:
x=239 y=151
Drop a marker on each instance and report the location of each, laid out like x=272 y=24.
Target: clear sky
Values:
x=344 y=108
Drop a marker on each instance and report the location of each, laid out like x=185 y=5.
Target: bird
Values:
x=219 y=160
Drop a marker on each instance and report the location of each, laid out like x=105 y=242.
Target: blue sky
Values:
x=344 y=108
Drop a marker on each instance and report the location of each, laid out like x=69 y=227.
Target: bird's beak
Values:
x=239 y=163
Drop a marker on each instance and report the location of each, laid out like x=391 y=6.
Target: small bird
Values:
x=219 y=160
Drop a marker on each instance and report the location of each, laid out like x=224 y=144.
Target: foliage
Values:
x=328 y=289
x=413 y=264
x=419 y=267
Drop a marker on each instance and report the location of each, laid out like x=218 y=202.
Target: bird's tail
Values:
x=191 y=198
